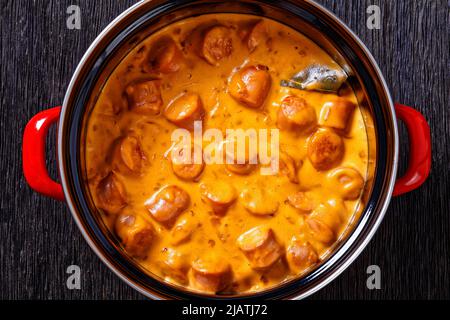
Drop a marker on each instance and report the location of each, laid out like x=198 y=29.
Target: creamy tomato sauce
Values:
x=225 y=228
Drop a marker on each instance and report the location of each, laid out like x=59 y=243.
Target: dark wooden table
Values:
x=39 y=239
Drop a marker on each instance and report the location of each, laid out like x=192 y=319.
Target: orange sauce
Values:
x=176 y=249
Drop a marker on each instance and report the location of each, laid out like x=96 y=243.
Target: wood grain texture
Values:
x=39 y=239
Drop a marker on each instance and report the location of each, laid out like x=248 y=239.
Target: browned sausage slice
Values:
x=182 y=231
x=136 y=235
x=128 y=156
x=174 y=266
x=211 y=274
x=219 y=195
x=320 y=231
x=232 y=157
x=111 y=194
x=250 y=85
x=217 y=44
x=324 y=222
x=185 y=110
x=300 y=255
x=288 y=167
x=165 y=56
x=260 y=247
x=188 y=172
x=335 y=114
x=348 y=182
x=241 y=169
x=296 y=114
x=184 y=169
x=325 y=149
x=302 y=201
x=258 y=201
x=258 y=35
x=167 y=204
x=145 y=97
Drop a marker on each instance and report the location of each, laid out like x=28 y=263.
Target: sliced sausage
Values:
x=185 y=110
x=182 y=231
x=260 y=247
x=111 y=194
x=217 y=44
x=300 y=255
x=288 y=167
x=302 y=201
x=188 y=172
x=174 y=266
x=258 y=202
x=183 y=169
x=250 y=85
x=165 y=56
x=145 y=97
x=233 y=162
x=136 y=235
x=295 y=114
x=324 y=222
x=320 y=231
x=220 y=195
x=348 y=182
x=128 y=156
x=325 y=149
x=167 y=204
x=241 y=169
x=258 y=34
x=211 y=274
x=335 y=114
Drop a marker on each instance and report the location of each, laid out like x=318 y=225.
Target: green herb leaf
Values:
x=318 y=78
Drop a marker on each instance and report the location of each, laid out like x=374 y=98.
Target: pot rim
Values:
x=101 y=254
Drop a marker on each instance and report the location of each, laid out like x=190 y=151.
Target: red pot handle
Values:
x=36 y=174
x=419 y=150
x=33 y=154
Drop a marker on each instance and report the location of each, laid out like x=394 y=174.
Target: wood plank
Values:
x=39 y=239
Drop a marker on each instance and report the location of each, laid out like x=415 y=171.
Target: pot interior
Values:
x=142 y=20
